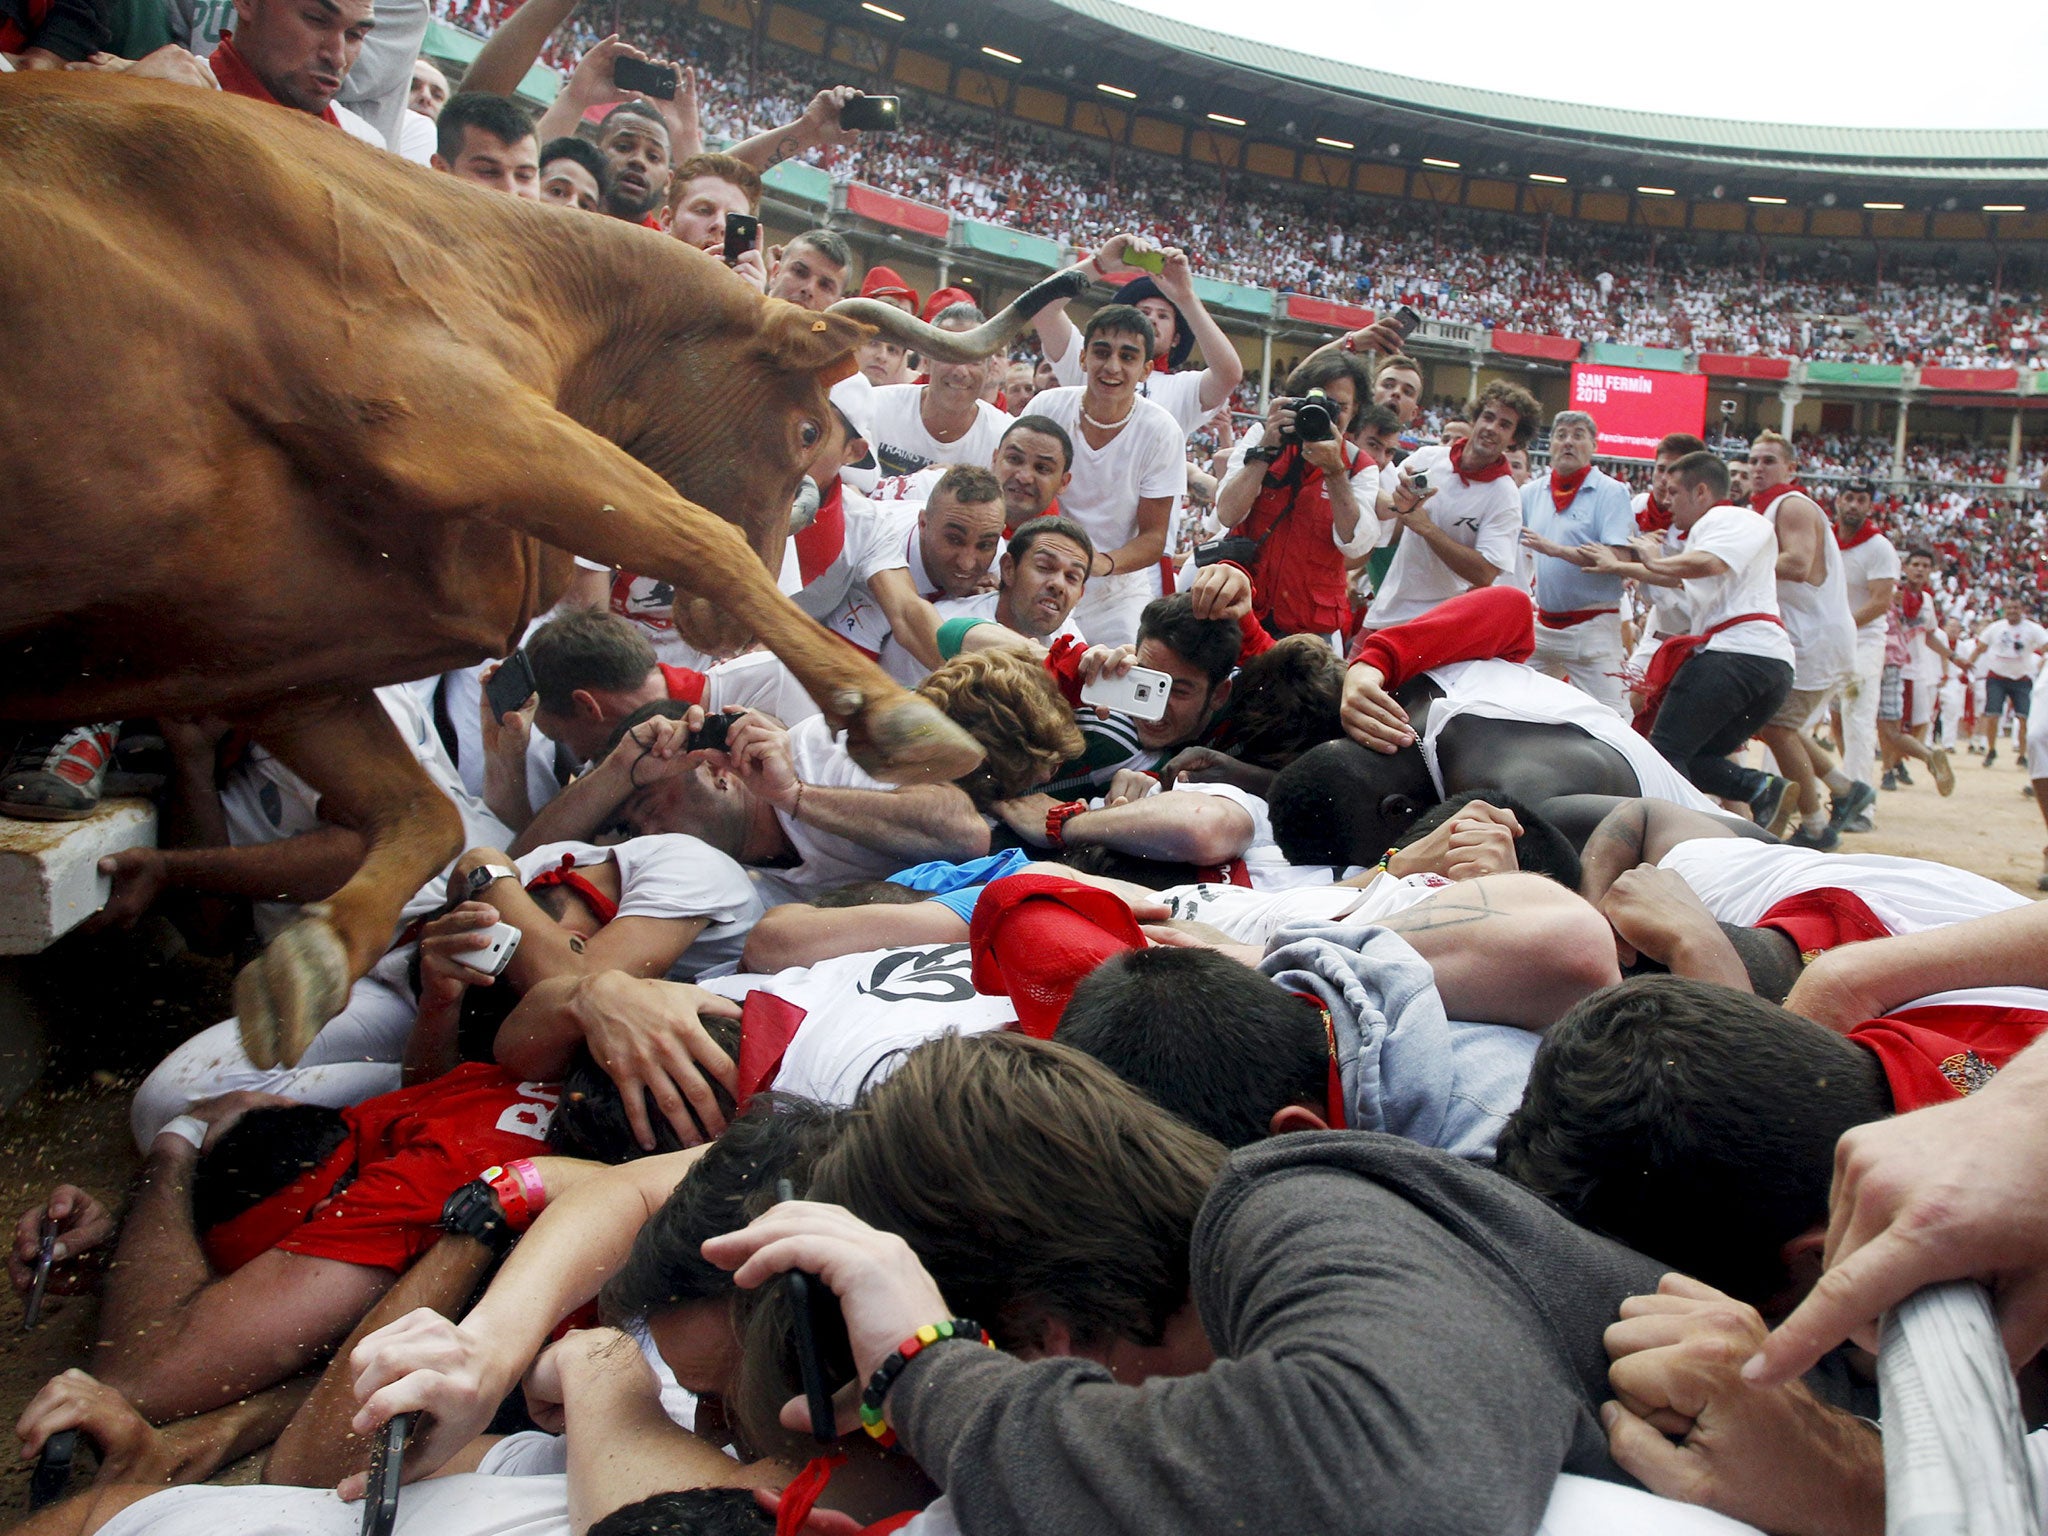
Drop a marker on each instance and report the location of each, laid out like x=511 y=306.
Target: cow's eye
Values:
x=809 y=433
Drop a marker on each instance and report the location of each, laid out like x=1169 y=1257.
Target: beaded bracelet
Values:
x=1386 y=863
x=886 y=1373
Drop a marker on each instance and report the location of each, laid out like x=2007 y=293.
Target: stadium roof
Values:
x=1269 y=86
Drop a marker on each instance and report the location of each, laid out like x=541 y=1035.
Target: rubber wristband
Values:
x=188 y=1127
x=1057 y=818
x=521 y=1193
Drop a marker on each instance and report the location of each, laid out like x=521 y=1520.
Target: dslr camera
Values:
x=1315 y=421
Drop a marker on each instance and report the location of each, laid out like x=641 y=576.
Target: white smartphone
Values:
x=1140 y=693
x=492 y=961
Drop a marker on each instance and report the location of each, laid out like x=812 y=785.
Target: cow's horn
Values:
x=985 y=340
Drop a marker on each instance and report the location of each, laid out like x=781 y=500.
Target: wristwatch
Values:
x=486 y=875
x=472 y=1211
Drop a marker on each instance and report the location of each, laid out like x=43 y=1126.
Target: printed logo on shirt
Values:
x=1966 y=1072
x=534 y=1113
x=939 y=975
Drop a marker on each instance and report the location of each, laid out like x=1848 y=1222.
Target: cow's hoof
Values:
x=288 y=992
x=906 y=740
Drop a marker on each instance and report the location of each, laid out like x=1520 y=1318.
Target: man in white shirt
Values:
x=943 y=422
x=1741 y=671
x=1044 y=573
x=1870 y=577
x=1813 y=601
x=1129 y=468
x=1179 y=321
x=2010 y=649
x=1463 y=527
x=1578 y=609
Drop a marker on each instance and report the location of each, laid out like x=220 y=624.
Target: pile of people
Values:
x=1370 y=1046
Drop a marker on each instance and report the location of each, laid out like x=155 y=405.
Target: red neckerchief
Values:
x=819 y=545
x=1161 y=364
x=1564 y=489
x=685 y=684
x=238 y=79
x=801 y=1495
x=566 y=873
x=1052 y=510
x=1653 y=518
x=1862 y=535
x=1493 y=471
x=1763 y=501
x=1910 y=601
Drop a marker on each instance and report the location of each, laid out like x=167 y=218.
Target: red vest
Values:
x=1299 y=577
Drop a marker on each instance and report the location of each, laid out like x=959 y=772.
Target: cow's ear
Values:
x=802 y=342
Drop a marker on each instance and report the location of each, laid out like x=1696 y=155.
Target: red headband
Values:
x=566 y=873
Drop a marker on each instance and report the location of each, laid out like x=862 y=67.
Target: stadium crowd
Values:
x=1493 y=270
x=1374 y=1046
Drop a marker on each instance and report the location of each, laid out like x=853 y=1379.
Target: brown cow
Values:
x=287 y=418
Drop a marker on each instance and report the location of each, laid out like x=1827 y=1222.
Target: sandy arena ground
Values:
x=73 y=1127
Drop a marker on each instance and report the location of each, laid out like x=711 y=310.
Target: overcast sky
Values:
x=1974 y=64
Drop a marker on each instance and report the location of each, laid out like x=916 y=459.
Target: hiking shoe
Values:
x=1774 y=804
x=1863 y=822
x=1944 y=776
x=1891 y=779
x=56 y=772
x=1905 y=778
x=1824 y=841
x=1856 y=802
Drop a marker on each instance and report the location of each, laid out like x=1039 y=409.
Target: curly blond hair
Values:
x=1006 y=701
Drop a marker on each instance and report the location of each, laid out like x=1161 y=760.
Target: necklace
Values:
x=1105 y=426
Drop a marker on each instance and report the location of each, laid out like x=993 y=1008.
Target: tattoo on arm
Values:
x=1450 y=910
x=785 y=146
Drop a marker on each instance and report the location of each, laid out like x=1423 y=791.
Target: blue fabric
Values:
x=940 y=876
x=1601 y=513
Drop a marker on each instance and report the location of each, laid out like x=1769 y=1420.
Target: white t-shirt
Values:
x=879 y=537
x=2008 y=649
x=1146 y=459
x=670 y=875
x=758 y=680
x=1818 y=619
x=824 y=861
x=1745 y=542
x=862 y=1010
x=1365 y=488
x=1178 y=394
x=902 y=445
x=1739 y=879
x=1507 y=690
x=359 y=126
x=418 y=139
x=1667 y=613
x=1485 y=515
x=909 y=671
x=1254 y=916
x=1872 y=560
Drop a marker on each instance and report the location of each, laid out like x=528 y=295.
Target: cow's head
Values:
x=734 y=413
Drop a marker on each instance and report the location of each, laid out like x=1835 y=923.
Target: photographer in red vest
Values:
x=1298 y=498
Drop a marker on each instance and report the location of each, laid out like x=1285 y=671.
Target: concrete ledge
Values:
x=49 y=870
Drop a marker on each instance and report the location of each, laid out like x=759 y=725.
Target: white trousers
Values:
x=1108 y=611
x=1859 y=710
x=1588 y=656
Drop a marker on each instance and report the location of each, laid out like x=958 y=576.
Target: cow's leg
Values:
x=348 y=750
x=529 y=467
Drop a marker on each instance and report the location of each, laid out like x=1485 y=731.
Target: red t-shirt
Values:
x=413 y=1149
x=1937 y=1054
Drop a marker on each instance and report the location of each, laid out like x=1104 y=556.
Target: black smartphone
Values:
x=649 y=79
x=1404 y=320
x=52 y=1475
x=742 y=234
x=875 y=114
x=512 y=684
x=711 y=735
x=387 y=1470
x=807 y=1296
x=46 y=1260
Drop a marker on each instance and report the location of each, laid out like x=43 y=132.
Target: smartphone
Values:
x=711 y=735
x=1146 y=261
x=1404 y=320
x=875 y=114
x=649 y=79
x=52 y=1475
x=504 y=945
x=387 y=1467
x=512 y=684
x=808 y=1295
x=1140 y=693
x=742 y=234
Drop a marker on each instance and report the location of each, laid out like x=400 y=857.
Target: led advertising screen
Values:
x=1637 y=406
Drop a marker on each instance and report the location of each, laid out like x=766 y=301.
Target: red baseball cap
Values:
x=1035 y=936
x=886 y=283
x=942 y=298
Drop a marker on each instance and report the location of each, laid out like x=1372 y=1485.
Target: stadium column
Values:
x=1899 y=438
x=1265 y=367
x=1788 y=403
x=2012 y=450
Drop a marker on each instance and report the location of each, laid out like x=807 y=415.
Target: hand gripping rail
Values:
x=1955 y=1461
